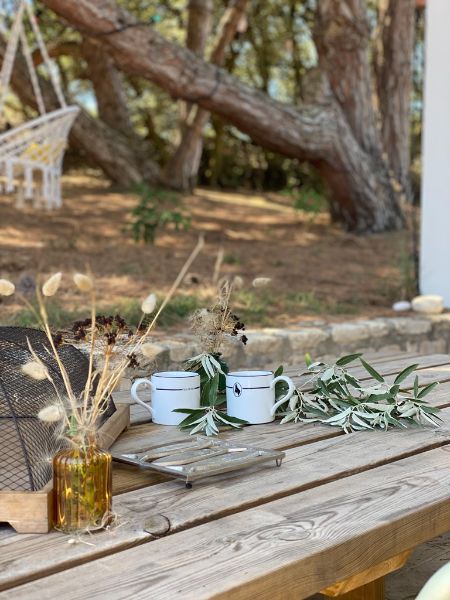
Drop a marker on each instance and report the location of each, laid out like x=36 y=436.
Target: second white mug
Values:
x=251 y=395
x=169 y=390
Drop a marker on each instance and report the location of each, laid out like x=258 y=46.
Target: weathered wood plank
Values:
x=297 y=545
x=141 y=437
x=385 y=367
x=305 y=467
x=30 y=512
x=147 y=435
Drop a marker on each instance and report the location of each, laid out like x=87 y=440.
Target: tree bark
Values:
x=101 y=145
x=112 y=104
x=394 y=65
x=182 y=169
x=199 y=25
x=108 y=86
x=200 y=18
x=320 y=134
x=342 y=38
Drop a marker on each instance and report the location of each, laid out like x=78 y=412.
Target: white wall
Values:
x=435 y=233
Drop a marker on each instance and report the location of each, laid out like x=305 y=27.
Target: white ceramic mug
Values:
x=251 y=395
x=169 y=390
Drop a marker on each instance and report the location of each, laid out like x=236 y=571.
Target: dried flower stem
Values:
x=175 y=285
x=88 y=385
x=85 y=414
x=218 y=265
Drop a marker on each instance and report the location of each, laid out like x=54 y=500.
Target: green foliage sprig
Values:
x=209 y=418
x=157 y=209
x=340 y=399
x=211 y=327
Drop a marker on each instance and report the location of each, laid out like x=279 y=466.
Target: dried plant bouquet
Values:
x=79 y=415
x=212 y=327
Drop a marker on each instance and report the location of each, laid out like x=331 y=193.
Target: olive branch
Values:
x=340 y=399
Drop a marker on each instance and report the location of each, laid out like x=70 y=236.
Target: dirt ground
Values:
x=317 y=270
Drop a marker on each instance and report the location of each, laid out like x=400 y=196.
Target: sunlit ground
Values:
x=316 y=270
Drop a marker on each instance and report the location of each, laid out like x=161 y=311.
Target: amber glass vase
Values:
x=82 y=488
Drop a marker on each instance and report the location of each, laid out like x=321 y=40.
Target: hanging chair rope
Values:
x=32 y=72
x=54 y=78
x=11 y=49
x=31 y=154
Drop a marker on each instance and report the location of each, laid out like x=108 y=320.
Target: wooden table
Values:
x=340 y=513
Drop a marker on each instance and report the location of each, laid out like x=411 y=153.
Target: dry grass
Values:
x=316 y=269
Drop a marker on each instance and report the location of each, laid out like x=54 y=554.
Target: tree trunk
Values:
x=320 y=134
x=342 y=38
x=112 y=105
x=394 y=67
x=182 y=167
x=101 y=145
x=182 y=170
x=199 y=25
x=108 y=86
x=200 y=18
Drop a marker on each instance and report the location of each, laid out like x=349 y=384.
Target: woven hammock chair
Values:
x=31 y=154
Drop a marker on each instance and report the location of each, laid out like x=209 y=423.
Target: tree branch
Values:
x=321 y=134
x=303 y=134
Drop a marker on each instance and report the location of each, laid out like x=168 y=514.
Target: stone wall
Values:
x=268 y=348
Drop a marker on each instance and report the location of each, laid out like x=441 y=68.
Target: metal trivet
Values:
x=199 y=458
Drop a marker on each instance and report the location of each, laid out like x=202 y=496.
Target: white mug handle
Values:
x=134 y=392
x=286 y=397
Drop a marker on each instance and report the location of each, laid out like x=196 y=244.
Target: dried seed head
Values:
x=83 y=282
x=34 y=369
x=51 y=414
x=149 y=304
x=260 y=282
x=6 y=288
x=51 y=286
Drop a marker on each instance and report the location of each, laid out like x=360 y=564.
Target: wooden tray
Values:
x=32 y=512
x=199 y=458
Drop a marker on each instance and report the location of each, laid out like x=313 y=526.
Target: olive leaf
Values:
x=345 y=360
x=427 y=389
x=404 y=374
x=372 y=371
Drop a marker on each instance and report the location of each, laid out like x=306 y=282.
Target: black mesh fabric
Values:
x=26 y=443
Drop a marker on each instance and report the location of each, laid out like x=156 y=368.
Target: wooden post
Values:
x=370 y=591
x=435 y=238
x=369 y=584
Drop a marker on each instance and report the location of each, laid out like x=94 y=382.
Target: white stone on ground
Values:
x=429 y=304
x=401 y=305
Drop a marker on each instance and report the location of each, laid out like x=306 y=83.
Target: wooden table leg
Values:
x=369 y=584
x=371 y=591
